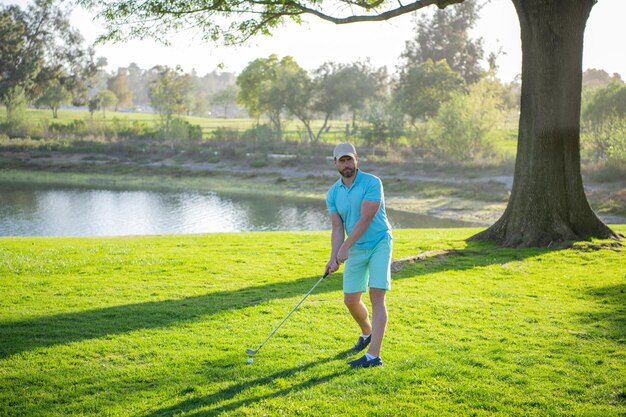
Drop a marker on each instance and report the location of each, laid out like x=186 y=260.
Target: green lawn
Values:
x=158 y=326
x=208 y=124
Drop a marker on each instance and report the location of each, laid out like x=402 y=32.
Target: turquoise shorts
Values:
x=368 y=267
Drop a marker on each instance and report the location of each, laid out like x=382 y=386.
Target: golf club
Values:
x=253 y=352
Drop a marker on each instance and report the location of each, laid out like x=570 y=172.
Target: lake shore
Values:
x=476 y=196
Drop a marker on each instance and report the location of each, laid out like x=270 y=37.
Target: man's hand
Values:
x=332 y=266
x=342 y=255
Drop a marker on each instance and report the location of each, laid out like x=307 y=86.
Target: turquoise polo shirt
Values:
x=347 y=203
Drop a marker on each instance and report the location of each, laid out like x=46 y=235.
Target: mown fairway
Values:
x=158 y=326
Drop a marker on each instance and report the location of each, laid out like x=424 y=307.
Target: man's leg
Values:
x=379 y=320
x=358 y=310
x=380 y=283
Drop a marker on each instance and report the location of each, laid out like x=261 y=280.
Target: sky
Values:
x=317 y=41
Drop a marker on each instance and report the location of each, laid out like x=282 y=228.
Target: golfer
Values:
x=357 y=209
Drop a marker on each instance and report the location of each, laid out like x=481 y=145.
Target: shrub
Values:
x=460 y=130
x=604 y=144
x=605 y=103
x=225 y=134
x=261 y=135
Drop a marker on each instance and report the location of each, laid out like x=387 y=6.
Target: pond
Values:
x=54 y=211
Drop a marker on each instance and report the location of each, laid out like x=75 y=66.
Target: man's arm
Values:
x=368 y=211
x=337 y=237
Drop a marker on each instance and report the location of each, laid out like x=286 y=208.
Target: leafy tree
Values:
x=607 y=102
x=344 y=87
x=54 y=97
x=297 y=89
x=270 y=86
x=170 y=93
x=138 y=83
x=93 y=105
x=385 y=123
x=119 y=85
x=21 y=55
x=106 y=99
x=445 y=36
x=361 y=83
x=225 y=99
x=594 y=78
x=39 y=48
x=604 y=125
x=422 y=88
x=199 y=96
x=327 y=96
x=459 y=131
x=254 y=83
x=548 y=202
x=605 y=142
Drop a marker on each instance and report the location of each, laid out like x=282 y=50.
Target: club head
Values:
x=251 y=352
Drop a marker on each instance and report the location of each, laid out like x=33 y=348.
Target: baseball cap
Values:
x=344 y=149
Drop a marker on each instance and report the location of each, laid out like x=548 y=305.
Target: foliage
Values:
x=40 y=48
x=170 y=95
x=225 y=99
x=139 y=81
x=605 y=103
x=360 y=83
x=385 y=124
x=446 y=36
x=595 y=78
x=605 y=142
x=297 y=89
x=15 y=111
x=105 y=99
x=182 y=131
x=259 y=135
x=270 y=86
x=233 y=21
x=118 y=84
x=53 y=97
x=423 y=87
x=253 y=83
x=459 y=131
x=159 y=325
x=328 y=96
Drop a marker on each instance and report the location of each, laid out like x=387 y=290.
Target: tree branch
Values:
x=418 y=4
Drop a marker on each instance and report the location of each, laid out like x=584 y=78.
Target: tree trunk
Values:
x=548 y=203
x=319 y=132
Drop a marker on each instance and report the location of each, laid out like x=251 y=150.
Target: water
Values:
x=45 y=211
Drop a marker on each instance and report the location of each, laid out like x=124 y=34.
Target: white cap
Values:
x=344 y=149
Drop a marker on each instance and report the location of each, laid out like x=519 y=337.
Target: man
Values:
x=357 y=208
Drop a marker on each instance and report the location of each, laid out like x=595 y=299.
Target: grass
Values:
x=208 y=124
x=158 y=326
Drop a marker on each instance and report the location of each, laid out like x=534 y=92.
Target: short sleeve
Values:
x=374 y=190
x=330 y=201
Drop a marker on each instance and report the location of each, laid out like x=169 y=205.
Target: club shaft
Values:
x=291 y=312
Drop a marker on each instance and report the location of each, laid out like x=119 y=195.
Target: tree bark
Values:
x=548 y=204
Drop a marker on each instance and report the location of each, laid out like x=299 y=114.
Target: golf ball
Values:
x=249 y=361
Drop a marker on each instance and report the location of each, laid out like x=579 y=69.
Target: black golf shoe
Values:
x=361 y=343
x=363 y=362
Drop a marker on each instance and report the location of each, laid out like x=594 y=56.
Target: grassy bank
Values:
x=158 y=326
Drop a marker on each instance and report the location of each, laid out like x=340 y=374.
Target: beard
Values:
x=348 y=172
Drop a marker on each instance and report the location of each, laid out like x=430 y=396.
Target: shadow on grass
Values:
x=614 y=313
x=216 y=399
x=65 y=328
